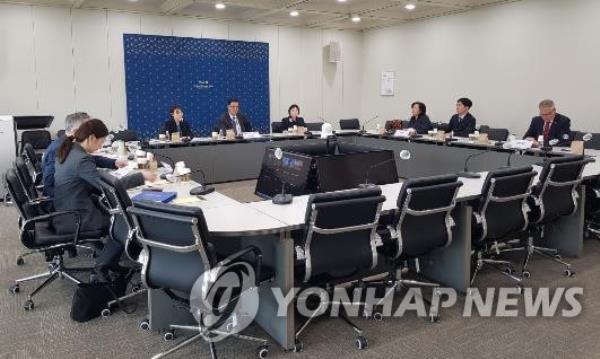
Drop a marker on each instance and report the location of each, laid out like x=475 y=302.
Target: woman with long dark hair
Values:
x=419 y=121
x=77 y=187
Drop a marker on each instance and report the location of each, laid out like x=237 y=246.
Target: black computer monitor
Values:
x=293 y=169
x=349 y=170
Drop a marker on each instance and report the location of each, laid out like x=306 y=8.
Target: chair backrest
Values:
x=277 y=127
x=339 y=236
x=175 y=239
x=39 y=139
x=32 y=162
x=125 y=135
x=17 y=193
x=313 y=126
x=24 y=176
x=555 y=195
x=349 y=124
x=423 y=221
x=116 y=200
x=495 y=134
x=502 y=208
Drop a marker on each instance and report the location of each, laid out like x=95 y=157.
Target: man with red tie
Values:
x=549 y=124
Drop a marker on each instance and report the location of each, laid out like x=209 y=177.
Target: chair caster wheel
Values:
x=28 y=305
x=170 y=335
x=262 y=351
x=569 y=272
x=558 y=257
x=298 y=346
x=361 y=343
x=105 y=313
x=526 y=274
x=14 y=289
x=377 y=316
x=145 y=324
x=508 y=270
x=20 y=261
x=136 y=288
x=434 y=318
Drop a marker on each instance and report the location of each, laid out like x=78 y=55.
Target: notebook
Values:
x=164 y=197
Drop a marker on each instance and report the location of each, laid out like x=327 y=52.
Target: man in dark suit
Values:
x=549 y=124
x=177 y=124
x=233 y=120
x=463 y=123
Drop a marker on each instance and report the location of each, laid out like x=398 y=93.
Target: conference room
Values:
x=382 y=178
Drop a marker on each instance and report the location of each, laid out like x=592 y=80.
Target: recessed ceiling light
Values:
x=410 y=6
x=355 y=18
x=220 y=6
x=294 y=13
x=341 y=0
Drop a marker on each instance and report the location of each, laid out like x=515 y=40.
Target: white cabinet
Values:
x=8 y=148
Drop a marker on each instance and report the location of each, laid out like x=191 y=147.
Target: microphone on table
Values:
x=168 y=167
x=281 y=198
x=465 y=172
x=201 y=189
x=511 y=153
x=548 y=148
x=404 y=155
x=367 y=122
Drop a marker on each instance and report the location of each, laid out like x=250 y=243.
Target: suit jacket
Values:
x=171 y=126
x=559 y=130
x=225 y=123
x=287 y=122
x=462 y=127
x=422 y=124
x=48 y=165
x=77 y=188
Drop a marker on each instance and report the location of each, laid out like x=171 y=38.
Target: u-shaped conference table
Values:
x=233 y=224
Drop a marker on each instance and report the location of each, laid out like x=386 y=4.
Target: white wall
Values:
x=57 y=60
x=505 y=58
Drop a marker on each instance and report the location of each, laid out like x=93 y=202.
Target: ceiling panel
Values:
x=323 y=14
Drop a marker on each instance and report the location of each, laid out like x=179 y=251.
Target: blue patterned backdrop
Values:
x=198 y=74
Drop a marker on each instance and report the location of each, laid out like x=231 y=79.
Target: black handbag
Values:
x=91 y=298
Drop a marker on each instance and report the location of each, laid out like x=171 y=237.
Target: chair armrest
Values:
x=237 y=255
x=46 y=217
x=40 y=200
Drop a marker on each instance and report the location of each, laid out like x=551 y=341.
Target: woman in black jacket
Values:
x=419 y=120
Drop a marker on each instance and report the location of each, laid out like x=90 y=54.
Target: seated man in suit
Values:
x=463 y=123
x=177 y=124
x=72 y=123
x=233 y=120
x=549 y=124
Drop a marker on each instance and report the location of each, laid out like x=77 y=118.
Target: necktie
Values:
x=238 y=128
x=547 y=130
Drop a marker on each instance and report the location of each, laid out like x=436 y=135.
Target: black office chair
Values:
x=592 y=188
x=500 y=213
x=38 y=234
x=125 y=136
x=33 y=163
x=495 y=134
x=176 y=252
x=349 y=124
x=553 y=197
x=421 y=224
x=313 y=126
x=39 y=140
x=338 y=244
x=484 y=128
x=115 y=201
x=440 y=126
x=277 y=127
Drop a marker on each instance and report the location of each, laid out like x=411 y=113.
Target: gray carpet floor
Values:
x=48 y=332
